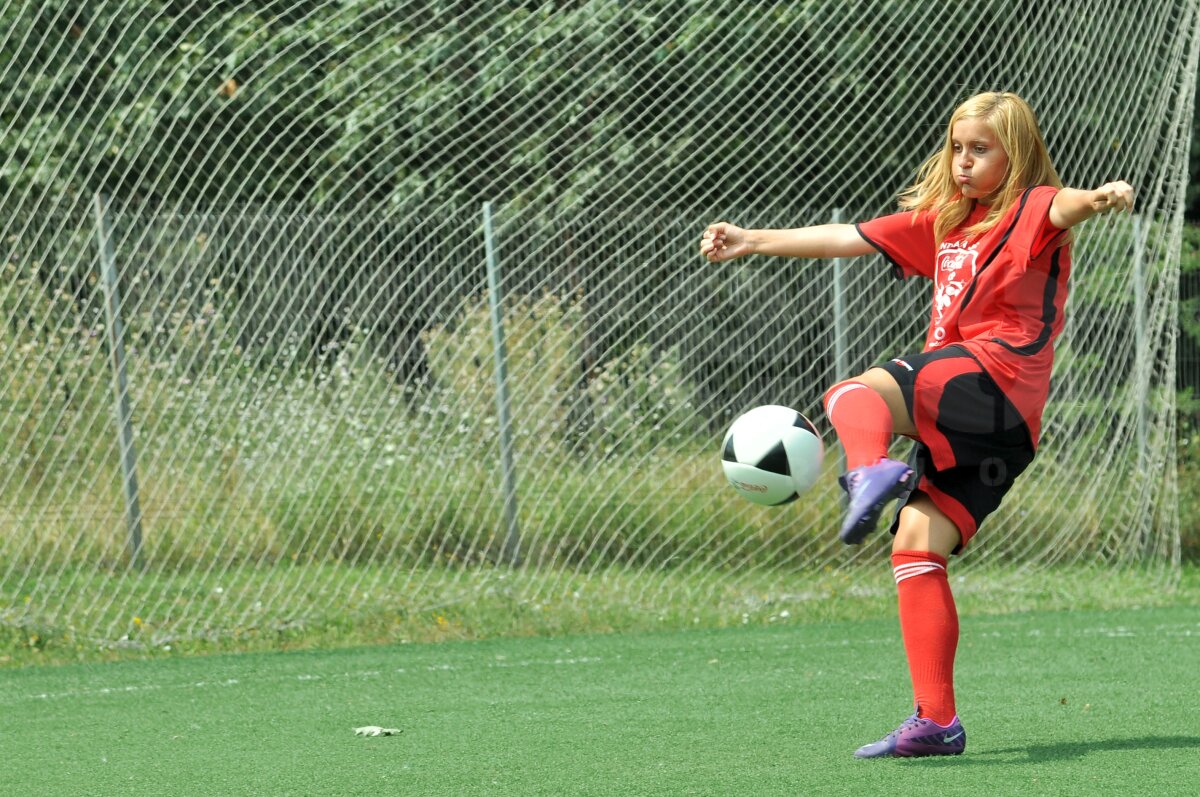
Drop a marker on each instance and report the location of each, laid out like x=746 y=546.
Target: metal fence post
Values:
x=116 y=351
x=1143 y=348
x=511 y=548
x=841 y=362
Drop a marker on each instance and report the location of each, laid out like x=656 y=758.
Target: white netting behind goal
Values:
x=250 y=350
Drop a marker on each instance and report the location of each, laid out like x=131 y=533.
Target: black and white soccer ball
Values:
x=772 y=455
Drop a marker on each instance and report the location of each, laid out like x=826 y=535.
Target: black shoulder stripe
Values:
x=897 y=272
x=1049 y=312
x=996 y=251
x=1052 y=242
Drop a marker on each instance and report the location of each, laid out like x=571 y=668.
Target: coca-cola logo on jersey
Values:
x=955 y=268
x=954 y=257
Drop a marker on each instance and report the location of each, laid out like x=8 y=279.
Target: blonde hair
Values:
x=1016 y=127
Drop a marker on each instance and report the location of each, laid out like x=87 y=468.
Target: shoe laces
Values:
x=911 y=722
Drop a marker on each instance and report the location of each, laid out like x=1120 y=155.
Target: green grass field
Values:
x=1061 y=703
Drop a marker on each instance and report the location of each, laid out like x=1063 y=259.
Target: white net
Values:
x=249 y=355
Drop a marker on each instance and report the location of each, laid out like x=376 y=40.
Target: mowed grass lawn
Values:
x=1061 y=703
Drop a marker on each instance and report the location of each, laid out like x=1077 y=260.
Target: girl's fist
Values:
x=723 y=241
x=1116 y=196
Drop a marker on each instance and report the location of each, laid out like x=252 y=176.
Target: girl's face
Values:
x=979 y=162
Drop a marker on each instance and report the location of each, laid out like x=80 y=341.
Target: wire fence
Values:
x=264 y=390
x=265 y=363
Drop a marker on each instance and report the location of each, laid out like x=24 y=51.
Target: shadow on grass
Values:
x=1063 y=751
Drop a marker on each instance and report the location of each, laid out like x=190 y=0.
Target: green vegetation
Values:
x=309 y=457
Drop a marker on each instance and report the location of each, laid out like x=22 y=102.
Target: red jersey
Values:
x=999 y=295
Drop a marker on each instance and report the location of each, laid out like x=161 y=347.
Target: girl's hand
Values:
x=723 y=241
x=1116 y=196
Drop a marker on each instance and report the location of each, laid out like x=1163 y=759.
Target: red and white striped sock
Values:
x=862 y=421
x=929 y=625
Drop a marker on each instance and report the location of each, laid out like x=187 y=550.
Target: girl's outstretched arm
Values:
x=1073 y=205
x=724 y=241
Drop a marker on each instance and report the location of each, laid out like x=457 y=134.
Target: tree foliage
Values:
x=655 y=103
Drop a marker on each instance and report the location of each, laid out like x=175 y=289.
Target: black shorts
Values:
x=971 y=442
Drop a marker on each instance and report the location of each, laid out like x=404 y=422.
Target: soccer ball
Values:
x=772 y=455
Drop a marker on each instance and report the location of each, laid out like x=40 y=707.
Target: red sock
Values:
x=862 y=420
x=929 y=625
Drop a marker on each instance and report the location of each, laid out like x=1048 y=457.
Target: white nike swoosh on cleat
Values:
x=948 y=739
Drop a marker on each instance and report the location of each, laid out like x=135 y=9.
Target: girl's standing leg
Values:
x=928 y=617
x=929 y=625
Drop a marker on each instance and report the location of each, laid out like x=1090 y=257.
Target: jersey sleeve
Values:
x=906 y=239
x=1035 y=230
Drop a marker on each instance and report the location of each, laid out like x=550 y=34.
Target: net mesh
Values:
x=250 y=351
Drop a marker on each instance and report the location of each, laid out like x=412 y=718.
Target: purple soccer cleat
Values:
x=918 y=737
x=869 y=489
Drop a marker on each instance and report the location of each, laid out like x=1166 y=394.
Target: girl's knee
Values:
x=924 y=527
x=840 y=389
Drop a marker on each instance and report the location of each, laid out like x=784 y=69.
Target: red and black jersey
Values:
x=999 y=295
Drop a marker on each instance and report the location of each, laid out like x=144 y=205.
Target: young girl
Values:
x=988 y=222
